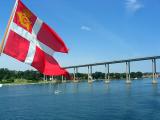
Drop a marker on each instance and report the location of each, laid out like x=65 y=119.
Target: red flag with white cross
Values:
x=30 y=40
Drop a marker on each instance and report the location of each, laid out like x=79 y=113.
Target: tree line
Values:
x=11 y=75
x=100 y=75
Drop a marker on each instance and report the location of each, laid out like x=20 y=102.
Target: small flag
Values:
x=32 y=41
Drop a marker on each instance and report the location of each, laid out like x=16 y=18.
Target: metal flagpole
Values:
x=8 y=25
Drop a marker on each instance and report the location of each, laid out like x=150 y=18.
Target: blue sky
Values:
x=96 y=30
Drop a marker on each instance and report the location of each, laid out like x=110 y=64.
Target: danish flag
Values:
x=30 y=40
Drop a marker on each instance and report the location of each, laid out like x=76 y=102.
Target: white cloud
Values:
x=86 y=28
x=133 y=5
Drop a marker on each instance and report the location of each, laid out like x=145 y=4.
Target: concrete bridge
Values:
x=107 y=65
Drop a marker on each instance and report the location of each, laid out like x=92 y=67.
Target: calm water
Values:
x=116 y=101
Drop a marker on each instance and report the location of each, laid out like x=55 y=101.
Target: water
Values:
x=81 y=101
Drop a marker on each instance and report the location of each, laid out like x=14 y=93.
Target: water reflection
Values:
x=128 y=89
x=107 y=87
x=64 y=87
x=155 y=89
x=75 y=87
x=90 y=87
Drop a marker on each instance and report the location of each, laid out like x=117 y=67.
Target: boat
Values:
x=57 y=91
x=1 y=85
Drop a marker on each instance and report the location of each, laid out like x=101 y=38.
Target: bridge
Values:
x=107 y=65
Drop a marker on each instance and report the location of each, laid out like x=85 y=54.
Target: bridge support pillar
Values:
x=45 y=78
x=107 y=77
x=128 y=78
x=63 y=79
x=90 y=80
x=53 y=79
x=74 y=77
x=154 y=81
x=75 y=72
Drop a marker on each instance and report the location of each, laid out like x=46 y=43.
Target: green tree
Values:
x=133 y=75
x=139 y=74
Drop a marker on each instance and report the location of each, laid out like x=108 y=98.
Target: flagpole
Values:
x=7 y=28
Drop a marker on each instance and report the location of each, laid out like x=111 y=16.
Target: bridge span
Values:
x=153 y=60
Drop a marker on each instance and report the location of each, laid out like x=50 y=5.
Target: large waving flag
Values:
x=29 y=40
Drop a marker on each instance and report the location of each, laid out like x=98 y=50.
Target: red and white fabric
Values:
x=32 y=41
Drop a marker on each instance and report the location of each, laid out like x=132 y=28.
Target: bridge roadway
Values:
x=115 y=62
x=107 y=68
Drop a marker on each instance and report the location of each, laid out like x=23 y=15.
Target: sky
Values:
x=95 y=30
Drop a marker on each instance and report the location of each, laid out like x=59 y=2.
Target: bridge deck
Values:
x=116 y=61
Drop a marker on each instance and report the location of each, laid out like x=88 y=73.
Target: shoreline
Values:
x=34 y=83
x=51 y=82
